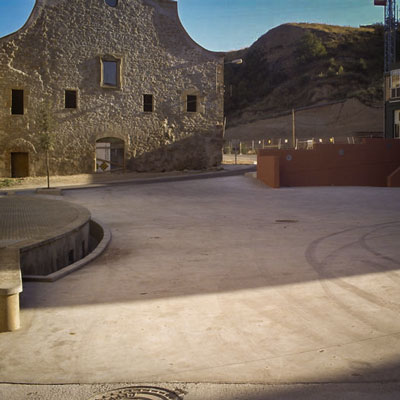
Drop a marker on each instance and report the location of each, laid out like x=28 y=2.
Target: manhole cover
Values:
x=138 y=393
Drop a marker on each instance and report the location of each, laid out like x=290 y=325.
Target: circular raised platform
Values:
x=51 y=234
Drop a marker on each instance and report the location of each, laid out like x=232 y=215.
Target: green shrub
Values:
x=310 y=48
x=7 y=182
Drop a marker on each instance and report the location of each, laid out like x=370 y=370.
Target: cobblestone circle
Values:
x=27 y=217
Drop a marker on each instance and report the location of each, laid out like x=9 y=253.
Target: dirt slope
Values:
x=299 y=65
x=348 y=119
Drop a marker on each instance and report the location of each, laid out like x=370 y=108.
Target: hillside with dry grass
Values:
x=299 y=65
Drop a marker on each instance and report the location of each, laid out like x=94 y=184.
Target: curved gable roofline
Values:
x=36 y=10
x=172 y=5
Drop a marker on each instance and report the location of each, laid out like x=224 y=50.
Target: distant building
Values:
x=126 y=84
x=392 y=102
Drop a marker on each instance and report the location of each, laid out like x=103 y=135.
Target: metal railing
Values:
x=237 y=146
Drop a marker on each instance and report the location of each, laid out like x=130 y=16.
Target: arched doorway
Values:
x=110 y=155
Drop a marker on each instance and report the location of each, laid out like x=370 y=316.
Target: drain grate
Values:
x=138 y=393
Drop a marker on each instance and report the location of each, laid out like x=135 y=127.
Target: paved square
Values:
x=222 y=280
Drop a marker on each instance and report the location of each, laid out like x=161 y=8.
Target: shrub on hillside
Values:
x=310 y=48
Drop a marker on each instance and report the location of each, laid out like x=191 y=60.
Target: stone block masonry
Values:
x=91 y=65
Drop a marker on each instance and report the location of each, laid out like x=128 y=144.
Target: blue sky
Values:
x=223 y=25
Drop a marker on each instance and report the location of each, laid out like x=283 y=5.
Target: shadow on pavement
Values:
x=186 y=239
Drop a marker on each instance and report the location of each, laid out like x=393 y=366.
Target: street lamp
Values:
x=236 y=62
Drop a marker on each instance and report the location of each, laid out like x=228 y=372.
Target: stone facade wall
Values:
x=60 y=48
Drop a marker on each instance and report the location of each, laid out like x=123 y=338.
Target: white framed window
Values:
x=395 y=78
x=395 y=84
x=396 y=133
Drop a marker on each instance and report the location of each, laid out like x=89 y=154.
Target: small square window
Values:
x=70 y=99
x=191 y=103
x=17 y=102
x=148 y=103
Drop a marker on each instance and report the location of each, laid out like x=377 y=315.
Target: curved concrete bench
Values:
x=10 y=288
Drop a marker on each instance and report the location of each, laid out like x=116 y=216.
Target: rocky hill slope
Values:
x=298 y=65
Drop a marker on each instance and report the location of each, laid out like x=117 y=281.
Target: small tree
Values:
x=45 y=124
x=310 y=47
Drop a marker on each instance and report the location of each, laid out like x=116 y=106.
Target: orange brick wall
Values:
x=268 y=170
x=367 y=164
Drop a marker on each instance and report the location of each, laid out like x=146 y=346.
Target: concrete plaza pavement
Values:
x=21 y=185
x=224 y=281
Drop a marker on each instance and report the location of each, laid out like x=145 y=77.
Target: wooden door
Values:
x=19 y=165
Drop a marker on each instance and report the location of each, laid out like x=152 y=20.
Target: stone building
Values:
x=125 y=84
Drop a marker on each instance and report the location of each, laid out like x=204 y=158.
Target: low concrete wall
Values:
x=366 y=164
x=43 y=258
x=96 y=233
x=53 y=251
x=100 y=237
